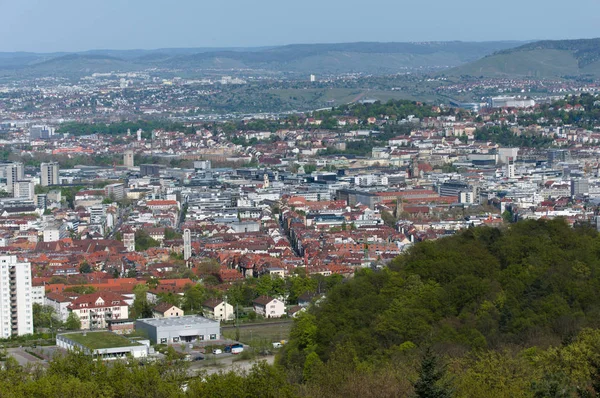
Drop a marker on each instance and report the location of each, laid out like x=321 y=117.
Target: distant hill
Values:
x=372 y=58
x=542 y=59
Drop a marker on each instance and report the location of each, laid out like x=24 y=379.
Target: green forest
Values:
x=510 y=312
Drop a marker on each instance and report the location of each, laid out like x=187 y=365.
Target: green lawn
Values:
x=98 y=340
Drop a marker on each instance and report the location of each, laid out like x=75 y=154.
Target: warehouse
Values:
x=104 y=345
x=179 y=329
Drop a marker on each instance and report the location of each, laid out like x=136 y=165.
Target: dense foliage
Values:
x=76 y=128
x=533 y=285
x=503 y=136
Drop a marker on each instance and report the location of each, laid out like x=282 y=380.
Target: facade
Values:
x=115 y=191
x=49 y=174
x=60 y=304
x=510 y=168
x=269 y=307
x=107 y=345
x=38 y=294
x=129 y=241
x=12 y=172
x=41 y=132
x=187 y=244
x=218 y=310
x=95 y=309
x=166 y=310
x=128 y=159
x=16 y=301
x=580 y=186
x=24 y=189
x=180 y=329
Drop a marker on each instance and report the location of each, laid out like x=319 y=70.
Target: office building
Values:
x=41 y=132
x=580 y=186
x=24 y=190
x=115 y=191
x=16 y=315
x=49 y=173
x=187 y=244
x=11 y=172
x=128 y=159
x=510 y=168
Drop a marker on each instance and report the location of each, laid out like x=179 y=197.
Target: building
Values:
x=129 y=240
x=580 y=186
x=313 y=78
x=11 y=173
x=16 y=301
x=24 y=189
x=115 y=191
x=218 y=310
x=511 y=102
x=187 y=244
x=166 y=310
x=128 y=159
x=49 y=174
x=41 y=132
x=269 y=307
x=104 y=345
x=179 y=329
x=510 y=167
x=38 y=294
x=60 y=304
x=152 y=170
x=95 y=309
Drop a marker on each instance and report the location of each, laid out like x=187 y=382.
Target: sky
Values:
x=77 y=25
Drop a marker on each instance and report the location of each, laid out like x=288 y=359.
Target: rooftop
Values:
x=99 y=340
x=178 y=321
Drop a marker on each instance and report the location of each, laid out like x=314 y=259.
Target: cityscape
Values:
x=369 y=219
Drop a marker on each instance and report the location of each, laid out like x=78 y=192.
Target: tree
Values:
x=73 y=322
x=143 y=241
x=388 y=219
x=44 y=316
x=430 y=383
x=85 y=268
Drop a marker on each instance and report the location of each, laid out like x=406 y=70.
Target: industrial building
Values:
x=104 y=345
x=179 y=329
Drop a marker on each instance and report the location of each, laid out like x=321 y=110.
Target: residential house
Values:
x=218 y=309
x=269 y=307
x=166 y=310
x=95 y=309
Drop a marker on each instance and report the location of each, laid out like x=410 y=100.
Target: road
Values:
x=23 y=357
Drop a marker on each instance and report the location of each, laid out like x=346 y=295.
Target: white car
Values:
x=217 y=351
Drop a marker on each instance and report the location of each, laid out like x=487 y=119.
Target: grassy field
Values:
x=97 y=340
x=263 y=334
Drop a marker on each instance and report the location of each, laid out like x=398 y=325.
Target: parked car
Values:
x=217 y=351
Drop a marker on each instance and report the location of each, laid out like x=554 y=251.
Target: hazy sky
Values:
x=70 y=25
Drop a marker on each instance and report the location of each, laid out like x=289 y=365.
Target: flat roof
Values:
x=98 y=340
x=178 y=321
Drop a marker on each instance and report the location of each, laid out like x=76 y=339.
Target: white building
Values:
x=95 y=309
x=218 y=310
x=49 y=174
x=269 y=307
x=38 y=294
x=16 y=315
x=60 y=304
x=12 y=172
x=24 y=190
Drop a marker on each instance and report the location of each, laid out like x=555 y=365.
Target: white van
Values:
x=217 y=351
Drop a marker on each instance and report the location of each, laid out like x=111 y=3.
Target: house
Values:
x=166 y=310
x=95 y=309
x=305 y=299
x=60 y=304
x=269 y=307
x=296 y=310
x=218 y=309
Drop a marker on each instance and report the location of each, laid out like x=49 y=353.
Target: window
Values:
x=213 y=336
x=163 y=341
x=175 y=339
x=201 y=337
